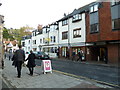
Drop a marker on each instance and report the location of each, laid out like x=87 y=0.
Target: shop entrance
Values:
x=103 y=54
x=65 y=52
x=99 y=54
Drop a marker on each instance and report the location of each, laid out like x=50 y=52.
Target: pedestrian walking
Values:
x=19 y=59
x=14 y=60
x=10 y=54
x=79 y=56
x=31 y=62
x=67 y=54
x=105 y=57
x=57 y=51
x=5 y=54
x=73 y=55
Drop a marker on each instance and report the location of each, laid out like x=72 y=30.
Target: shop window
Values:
x=64 y=49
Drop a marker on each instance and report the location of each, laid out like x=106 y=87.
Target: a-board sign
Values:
x=46 y=65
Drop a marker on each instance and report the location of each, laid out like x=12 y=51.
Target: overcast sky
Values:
x=20 y=13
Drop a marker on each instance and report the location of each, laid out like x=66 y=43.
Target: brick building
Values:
x=102 y=32
x=1 y=38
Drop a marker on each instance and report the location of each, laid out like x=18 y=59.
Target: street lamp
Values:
x=68 y=37
x=48 y=30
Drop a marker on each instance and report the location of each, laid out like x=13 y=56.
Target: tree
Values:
x=6 y=34
x=16 y=34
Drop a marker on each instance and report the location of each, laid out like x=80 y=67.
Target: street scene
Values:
x=63 y=47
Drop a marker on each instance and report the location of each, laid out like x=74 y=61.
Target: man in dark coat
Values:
x=79 y=56
x=73 y=55
x=19 y=59
x=31 y=62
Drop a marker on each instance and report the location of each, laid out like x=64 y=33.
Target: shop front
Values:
x=79 y=49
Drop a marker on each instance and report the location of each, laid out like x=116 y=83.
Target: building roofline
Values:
x=77 y=11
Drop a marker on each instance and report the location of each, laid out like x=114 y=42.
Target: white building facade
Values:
x=26 y=43
x=72 y=33
x=61 y=37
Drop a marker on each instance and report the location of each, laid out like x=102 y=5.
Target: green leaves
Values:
x=16 y=34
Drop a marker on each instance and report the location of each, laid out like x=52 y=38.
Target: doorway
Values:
x=103 y=54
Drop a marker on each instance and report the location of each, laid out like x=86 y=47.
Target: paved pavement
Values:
x=40 y=80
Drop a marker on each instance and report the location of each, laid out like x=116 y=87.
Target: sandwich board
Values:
x=46 y=66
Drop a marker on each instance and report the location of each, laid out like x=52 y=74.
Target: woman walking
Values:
x=31 y=62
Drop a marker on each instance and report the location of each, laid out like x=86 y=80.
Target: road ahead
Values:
x=96 y=72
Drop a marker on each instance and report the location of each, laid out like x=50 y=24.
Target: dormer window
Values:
x=115 y=2
x=77 y=17
x=64 y=22
x=94 y=8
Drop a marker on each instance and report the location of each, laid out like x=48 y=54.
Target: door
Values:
x=103 y=54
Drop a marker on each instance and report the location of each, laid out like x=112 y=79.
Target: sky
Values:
x=19 y=13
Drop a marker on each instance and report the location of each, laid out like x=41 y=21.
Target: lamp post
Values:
x=48 y=30
x=68 y=37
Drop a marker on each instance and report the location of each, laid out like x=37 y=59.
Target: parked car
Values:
x=41 y=55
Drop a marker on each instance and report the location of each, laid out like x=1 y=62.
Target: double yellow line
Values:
x=113 y=85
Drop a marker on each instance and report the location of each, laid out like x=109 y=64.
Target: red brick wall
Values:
x=113 y=53
x=105 y=26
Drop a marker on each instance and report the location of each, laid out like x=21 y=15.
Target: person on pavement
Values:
x=19 y=59
x=79 y=56
x=14 y=60
x=10 y=54
x=5 y=54
x=73 y=55
x=31 y=62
